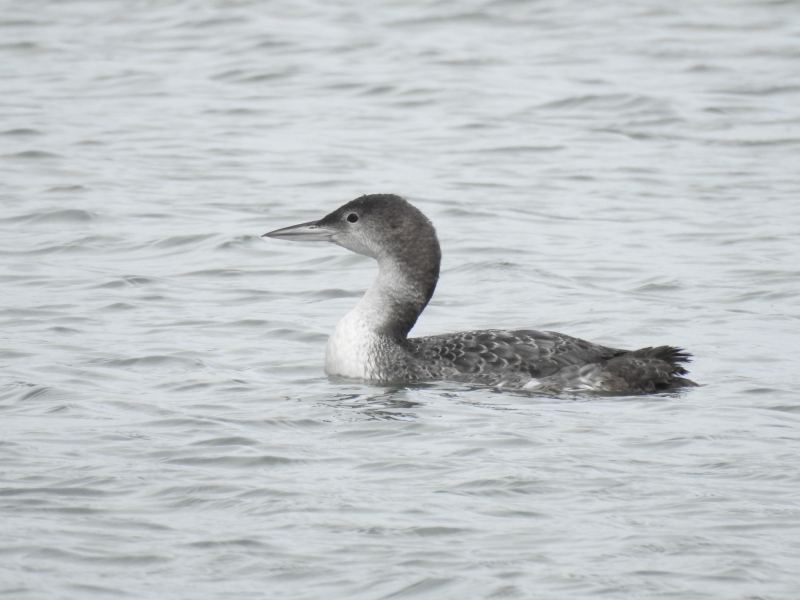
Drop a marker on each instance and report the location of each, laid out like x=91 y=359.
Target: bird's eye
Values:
x=352 y=218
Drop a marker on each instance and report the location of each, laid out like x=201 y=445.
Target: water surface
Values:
x=625 y=173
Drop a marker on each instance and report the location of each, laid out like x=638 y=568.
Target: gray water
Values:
x=623 y=172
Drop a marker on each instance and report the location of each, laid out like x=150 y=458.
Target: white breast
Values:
x=353 y=348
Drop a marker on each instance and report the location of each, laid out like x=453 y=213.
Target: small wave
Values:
x=250 y=323
x=237 y=543
x=238 y=242
x=36 y=391
x=65 y=330
x=605 y=102
x=486 y=265
x=793 y=141
x=326 y=183
x=477 y=17
x=215 y=22
x=151 y=361
x=297 y=336
x=67 y=188
x=235 y=461
x=764 y=91
x=226 y=273
x=229 y=74
x=435 y=530
x=66 y=215
x=659 y=286
x=21 y=23
x=5 y=354
x=266 y=77
x=182 y=240
x=131 y=281
x=507 y=486
x=227 y=441
x=25 y=46
x=519 y=149
x=378 y=90
x=329 y=294
x=34 y=154
x=118 y=306
x=21 y=132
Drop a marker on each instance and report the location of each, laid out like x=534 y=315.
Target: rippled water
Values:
x=624 y=172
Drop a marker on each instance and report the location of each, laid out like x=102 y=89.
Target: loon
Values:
x=371 y=342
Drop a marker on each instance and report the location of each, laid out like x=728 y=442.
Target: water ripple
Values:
x=620 y=173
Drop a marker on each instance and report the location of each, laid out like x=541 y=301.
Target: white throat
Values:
x=357 y=348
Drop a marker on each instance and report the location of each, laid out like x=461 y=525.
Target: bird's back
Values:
x=549 y=361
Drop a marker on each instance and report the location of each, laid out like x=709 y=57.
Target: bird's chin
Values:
x=354 y=246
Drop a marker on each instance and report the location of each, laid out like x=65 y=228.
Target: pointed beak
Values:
x=304 y=232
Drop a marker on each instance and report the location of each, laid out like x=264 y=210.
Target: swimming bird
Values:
x=371 y=342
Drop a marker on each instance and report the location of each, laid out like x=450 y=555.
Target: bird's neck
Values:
x=367 y=341
x=397 y=297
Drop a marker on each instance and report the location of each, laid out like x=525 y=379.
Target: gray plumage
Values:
x=371 y=342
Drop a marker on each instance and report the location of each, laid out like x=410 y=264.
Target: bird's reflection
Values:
x=383 y=403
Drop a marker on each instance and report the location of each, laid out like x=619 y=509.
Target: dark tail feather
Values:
x=651 y=369
x=669 y=354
